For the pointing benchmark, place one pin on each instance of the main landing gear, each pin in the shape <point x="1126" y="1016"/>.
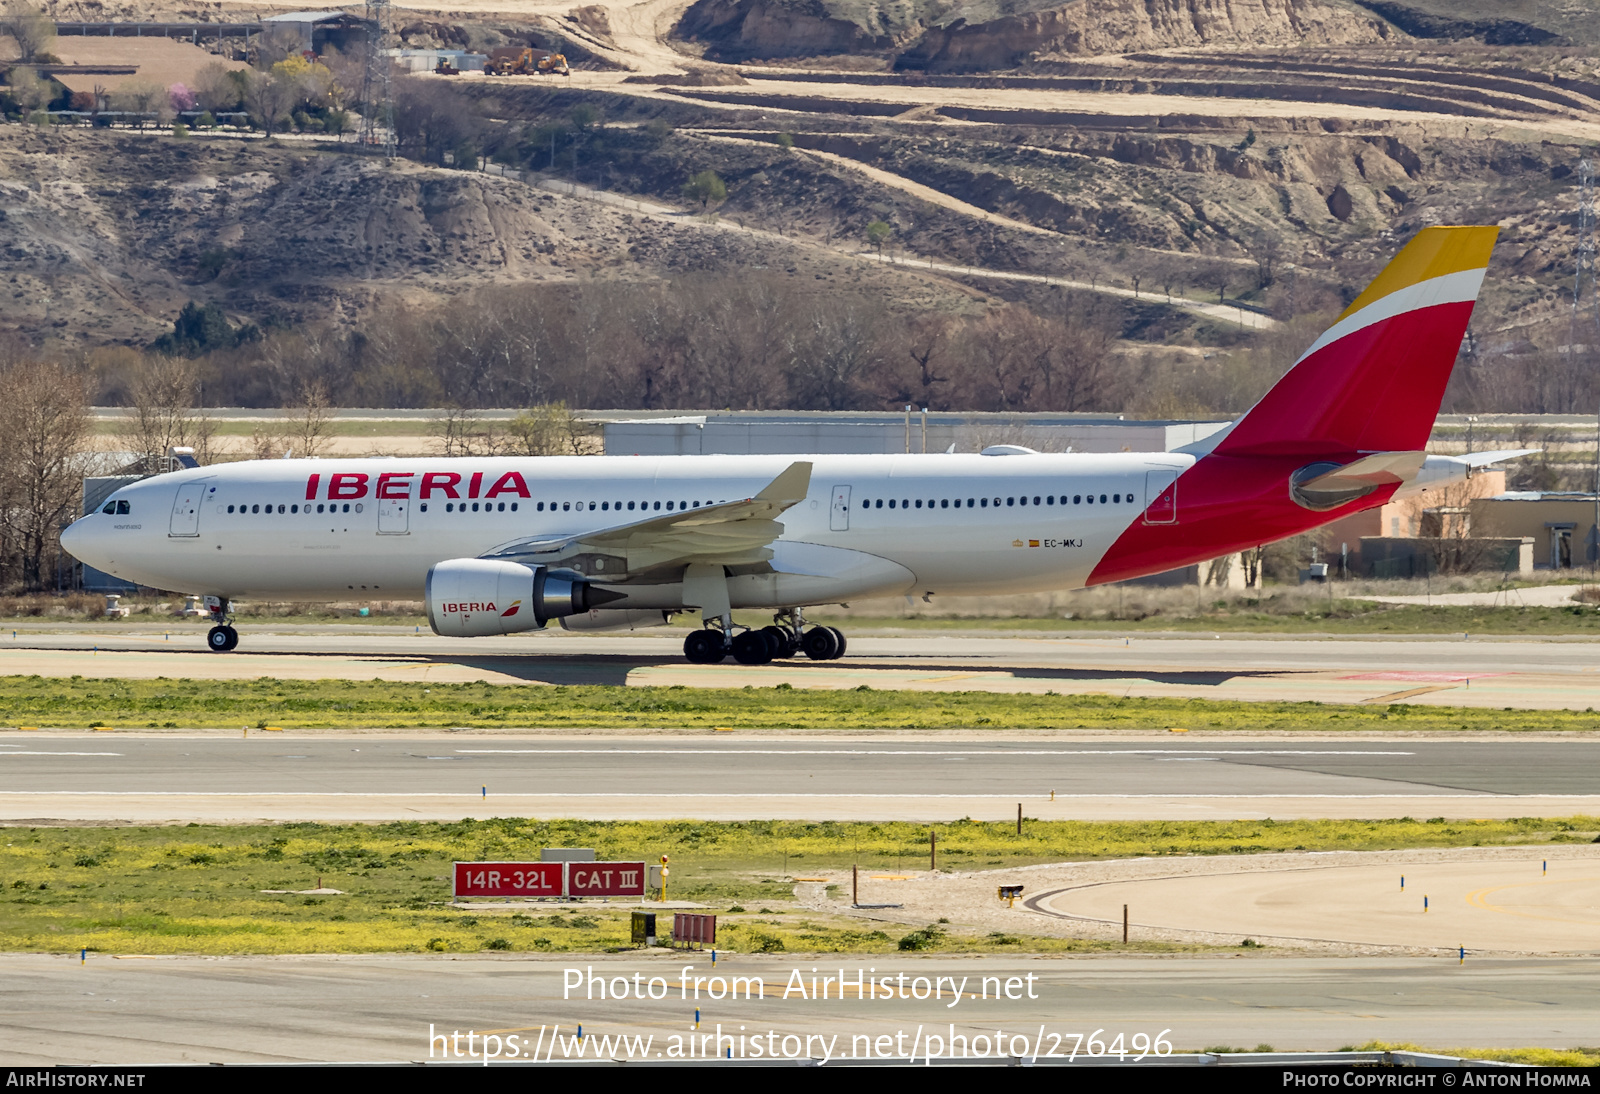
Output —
<point x="222" y="637"/>
<point x="786" y="637"/>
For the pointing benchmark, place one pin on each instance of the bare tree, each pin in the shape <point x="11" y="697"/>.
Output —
<point x="44" y="427"/>
<point x="269" y="98"/>
<point x="164" y="394"/>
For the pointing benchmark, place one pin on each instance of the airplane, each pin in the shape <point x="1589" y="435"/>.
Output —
<point x="496" y="546"/>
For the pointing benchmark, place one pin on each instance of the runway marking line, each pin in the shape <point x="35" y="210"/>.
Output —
<point x="1480" y="899"/>
<point x="1394" y="696"/>
<point x="927" y="752"/>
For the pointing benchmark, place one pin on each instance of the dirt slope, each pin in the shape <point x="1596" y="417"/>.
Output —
<point x="991" y="34"/>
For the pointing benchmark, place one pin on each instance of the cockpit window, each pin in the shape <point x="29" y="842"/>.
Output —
<point x="122" y="508"/>
<point x="116" y="508"/>
<point x="111" y="507"/>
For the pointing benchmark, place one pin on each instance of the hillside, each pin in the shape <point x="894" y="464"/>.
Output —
<point x="982" y="35"/>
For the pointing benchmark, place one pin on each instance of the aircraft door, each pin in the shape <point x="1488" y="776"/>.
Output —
<point x="186" y="508"/>
<point x="839" y="516"/>
<point x="394" y="516"/>
<point x="1161" y="497"/>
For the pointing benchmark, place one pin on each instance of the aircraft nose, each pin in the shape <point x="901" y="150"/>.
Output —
<point x="78" y="540"/>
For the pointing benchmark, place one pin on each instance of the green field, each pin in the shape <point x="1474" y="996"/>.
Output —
<point x="197" y="889"/>
<point x="51" y="702"/>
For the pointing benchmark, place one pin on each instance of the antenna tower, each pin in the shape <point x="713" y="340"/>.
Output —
<point x="1585" y="301"/>
<point x="377" y="101"/>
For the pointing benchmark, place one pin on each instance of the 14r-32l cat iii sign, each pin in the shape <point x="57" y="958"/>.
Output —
<point x="549" y="879"/>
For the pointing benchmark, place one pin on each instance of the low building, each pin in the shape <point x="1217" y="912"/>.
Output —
<point x="741" y="433"/>
<point x="1562" y="526"/>
<point x="426" y="60"/>
<point x="320" y="29"/>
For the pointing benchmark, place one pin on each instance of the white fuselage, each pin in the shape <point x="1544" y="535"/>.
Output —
<point x="319" y="529"/>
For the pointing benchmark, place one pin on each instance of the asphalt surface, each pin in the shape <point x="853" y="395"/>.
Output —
<point x="265" y="764"/>
<point x="381" y="1008"/>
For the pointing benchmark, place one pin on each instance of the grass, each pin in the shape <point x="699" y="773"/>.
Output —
<point x="79" y="702"/>
<point x="1536" y="1057"/>
<point x="197" y="889"/>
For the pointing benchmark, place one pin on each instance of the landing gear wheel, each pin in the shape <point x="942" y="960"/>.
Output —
<point x="222" y="639"/>
<point x="821" y="643"/>
<point x="838" y="653"/>
<point x="781" y="641"/>
<point x="752" y="648"/>
<point x="704" y="647"/>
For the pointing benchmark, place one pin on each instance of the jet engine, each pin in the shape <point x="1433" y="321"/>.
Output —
<point x="473" y="597"/>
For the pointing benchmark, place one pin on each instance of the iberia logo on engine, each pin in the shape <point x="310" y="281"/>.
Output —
<point x="489" y="607"/>
<point x="516" y="606"/>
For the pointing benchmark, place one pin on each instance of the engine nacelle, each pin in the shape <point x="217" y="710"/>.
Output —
<point x="474" y="597"/>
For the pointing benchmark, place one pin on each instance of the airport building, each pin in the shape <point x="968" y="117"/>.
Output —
<point x="756" y="432"/>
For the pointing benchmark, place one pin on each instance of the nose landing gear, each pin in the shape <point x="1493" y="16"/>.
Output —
<point x="222" y="637"/>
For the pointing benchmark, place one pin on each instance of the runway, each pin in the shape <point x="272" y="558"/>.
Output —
<point x="369" y="777"/>
<point x="1438" y="671"/>
<point x="193" y="1010"/>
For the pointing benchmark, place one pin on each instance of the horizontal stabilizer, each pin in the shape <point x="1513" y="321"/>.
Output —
<point x="1487" y="459"/>
<point x="1378" y="469"/>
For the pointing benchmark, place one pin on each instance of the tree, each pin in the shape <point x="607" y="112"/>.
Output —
<point x="33" y="29"/>
<point x="216" y="89"/>
<point x="707" y="189"/>
<point x="44" y="428"/>
<point x="149" y="100"/>
<point x="269" y="99"/>
<point x="548" y="430"/>
<point x="201" y="330"/>
<point x="878" y="234"/>
<point x="27" y="90"/>
<point x="165" y="393"/>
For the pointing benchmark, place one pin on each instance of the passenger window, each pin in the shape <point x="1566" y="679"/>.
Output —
<point x="891" y="503"/>
<point x="566" y="505"/>
<point x="255" y="508"/>
<point x="1036" y="499"/>
<point x="905" y="503"/>
<point x="346" y="507"/>
<point x="669" y="505"/>
<point x="1013" y="501"/>
<point x="1050" y="499"/>
<point x="513" y="507"/>
<point x="449" y="507"/>
<point x="630" y="507"/>
<point x="1077" y="499"/>
<point x="984" y="502"/>
<point x="294" y="509"/>
<point x="919" y="503"/>
<point x="423" y="507"/>
<point x="658" y="505"/>
<point x="280" y="509"/>
<point x="319" y="508"/>
<point x="945" y="503"/>
<point x="1091" y="499"/>
<point x="880" y="503"/>
<point x="108" y="508"/>
<point x="969" y="503"/>
<point x="604" y="505"/>
<point x="1102" y="499"/>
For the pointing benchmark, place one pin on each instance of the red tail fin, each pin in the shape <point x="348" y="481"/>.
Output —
<point x="1374" y="380"/>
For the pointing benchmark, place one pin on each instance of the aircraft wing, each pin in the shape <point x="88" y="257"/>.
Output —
<point x="730" y="533"/>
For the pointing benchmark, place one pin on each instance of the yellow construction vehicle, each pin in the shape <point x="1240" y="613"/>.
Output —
<point x="515" y="61"/>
